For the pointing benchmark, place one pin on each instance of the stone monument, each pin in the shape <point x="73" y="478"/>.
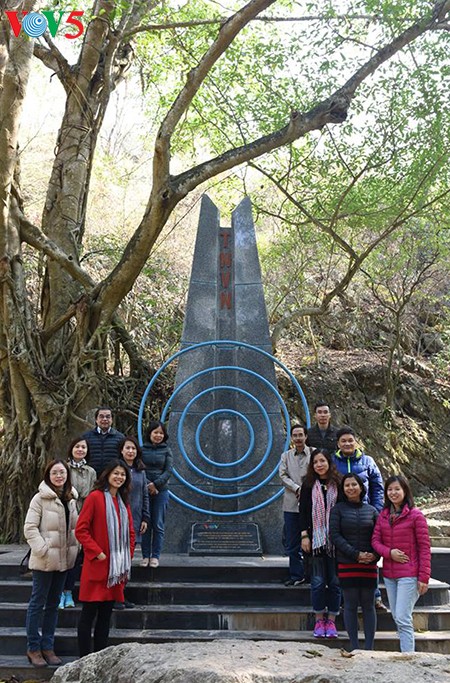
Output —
<point x="227" y="425"/>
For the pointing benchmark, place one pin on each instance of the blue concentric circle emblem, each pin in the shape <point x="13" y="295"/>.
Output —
<point x="34" y="24"/>
<point x="203" y="467"/>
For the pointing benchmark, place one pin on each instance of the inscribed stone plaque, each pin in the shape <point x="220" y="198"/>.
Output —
<point x="225" y="538"/>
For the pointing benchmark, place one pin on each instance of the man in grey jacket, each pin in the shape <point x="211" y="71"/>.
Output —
<point x="292" y="471"/>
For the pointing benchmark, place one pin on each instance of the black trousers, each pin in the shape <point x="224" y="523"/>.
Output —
<point x="100" y="612"/>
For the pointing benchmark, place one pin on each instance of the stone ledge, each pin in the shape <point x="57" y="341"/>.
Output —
<point x="250" y="662"/>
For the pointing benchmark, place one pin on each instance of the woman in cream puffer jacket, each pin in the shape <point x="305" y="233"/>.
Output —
<point x="50" y="532"/>
<point x="53" y="549"/>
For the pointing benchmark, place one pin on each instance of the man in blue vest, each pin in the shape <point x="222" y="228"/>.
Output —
<point x="103" y="440"/>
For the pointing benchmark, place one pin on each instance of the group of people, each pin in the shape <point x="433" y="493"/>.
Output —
<point x="89" y="512"/>
<point x="338" y="513"/>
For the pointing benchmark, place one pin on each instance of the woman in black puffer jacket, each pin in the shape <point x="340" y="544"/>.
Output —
<point x="351" y="527"/>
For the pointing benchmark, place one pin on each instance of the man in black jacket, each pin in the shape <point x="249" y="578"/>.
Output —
<point x="322" y="434"/>
<point x="103" y="440"/>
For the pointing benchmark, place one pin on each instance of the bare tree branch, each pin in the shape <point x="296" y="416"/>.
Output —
<point x="333" y="109"/>
<point x="214" y="21"/>
<point x="35" y="238"/>
<point x="54" y="60"/>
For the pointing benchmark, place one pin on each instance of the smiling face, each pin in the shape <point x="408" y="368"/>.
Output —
<point x="117" y="477"/>
<point x="79" y="451"/>
<point x="320" y="465"/>
<point x="157" y="435"/>
<point x="347" y="444"/>
<point x="104" y="420"/>
<point x="58" y="475"/>
<point x="352" y="490"/>
<point x="129" y="452"/>
<point x="395" y="494"/>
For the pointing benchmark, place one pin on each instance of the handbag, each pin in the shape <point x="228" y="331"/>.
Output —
<point x="23" y="567"/>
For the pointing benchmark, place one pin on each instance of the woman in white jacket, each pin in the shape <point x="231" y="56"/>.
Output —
<point x="49" y="530"/>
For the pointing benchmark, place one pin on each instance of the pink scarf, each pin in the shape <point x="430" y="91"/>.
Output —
<point x="321" y="517"/>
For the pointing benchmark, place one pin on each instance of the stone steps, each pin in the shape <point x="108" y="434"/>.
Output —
<point x="191" y="593"/>
<point x="202" y="599"/>
<point x="65" y="643"/>
<point x="222" y="617"/>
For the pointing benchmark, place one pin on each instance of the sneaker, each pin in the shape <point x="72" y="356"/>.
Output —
<point x="129" y="605"/>
<point x="62" y="601"/>
<point x="380" y="606"/>
<point x="320" y="629"/>
<point x="119" y="605"/>
<point x="299" y="582"/>
<point x="289" y="582"/>
<point x="154" y="562"/>
<point x="68" y="599"/>
<point x="331" y="631"/>
<point x="145" y="561"/>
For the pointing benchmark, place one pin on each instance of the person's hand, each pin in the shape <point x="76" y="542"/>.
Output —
<point x="399" y="556"/>
<point x="372" y="557"/>
<point x="366" y="557"/>
<point x="101" y="557"/>
<point x="143" y="527"/>
<point x="306" y="545"/>
<point x="422" y="587"/>
<point x="153" y="491"/>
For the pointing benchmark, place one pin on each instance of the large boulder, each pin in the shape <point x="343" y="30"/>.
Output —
<point x="237" y="661"/>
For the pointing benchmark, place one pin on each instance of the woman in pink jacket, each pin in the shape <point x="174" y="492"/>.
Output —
<point x="401" y="538"/>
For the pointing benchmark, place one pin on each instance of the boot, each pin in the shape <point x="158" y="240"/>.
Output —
<point x="51" y="658"/>
<point x="36" y="659"/>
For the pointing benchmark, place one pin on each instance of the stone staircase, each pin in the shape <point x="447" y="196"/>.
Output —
<point x="205" y="599"/>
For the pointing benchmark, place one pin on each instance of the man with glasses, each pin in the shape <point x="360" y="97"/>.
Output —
<point x="292" y="471"/>
<point x="103" y="440"/>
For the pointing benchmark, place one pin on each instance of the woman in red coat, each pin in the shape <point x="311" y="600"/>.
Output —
<point x="105" y="530"/>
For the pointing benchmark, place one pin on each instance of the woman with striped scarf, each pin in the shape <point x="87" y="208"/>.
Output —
<point x="105" y="530"/>
<point x="318" y="496"/>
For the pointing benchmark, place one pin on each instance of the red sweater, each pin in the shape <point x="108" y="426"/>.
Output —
<point x="92" y="533"/>
<point x="409" y="533"/>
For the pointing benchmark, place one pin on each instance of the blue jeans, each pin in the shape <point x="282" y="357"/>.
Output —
<point x="42" y="613"/>
<point x="153" y="538"/>
<point x="293" y="538"/>
<point x="325" y="590"/>
<point x="403" y="595"/>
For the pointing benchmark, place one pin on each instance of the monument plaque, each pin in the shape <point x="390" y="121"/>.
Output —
<point x="225" y="538"/>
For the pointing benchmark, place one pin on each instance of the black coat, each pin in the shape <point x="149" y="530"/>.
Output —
<point x="316" y="440"/>
<point x="351" y="528"/>
<point x="102" y="447"/>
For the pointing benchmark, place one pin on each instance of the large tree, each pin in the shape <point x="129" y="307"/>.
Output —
<point x="53" y="361"/>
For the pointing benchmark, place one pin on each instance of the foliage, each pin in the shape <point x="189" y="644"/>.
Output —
<point x="223" y="91"/>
